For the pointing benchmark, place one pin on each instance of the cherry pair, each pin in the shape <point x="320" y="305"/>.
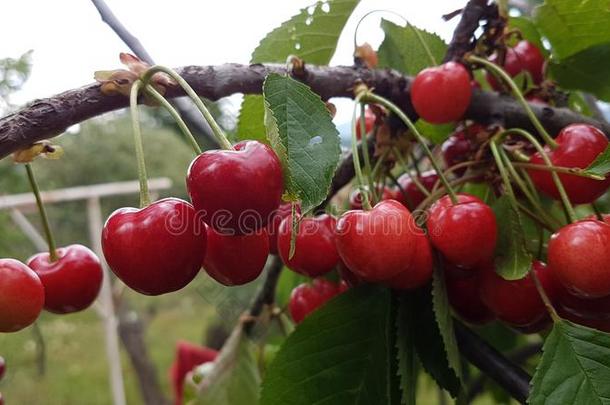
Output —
<point x="306" y="298"/>
<point x="523" y="57"/>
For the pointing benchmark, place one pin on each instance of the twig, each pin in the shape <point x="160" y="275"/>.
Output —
<point x="187" y="112"/>
<point x="463" y="37"/>
<point x="266" y="295"/>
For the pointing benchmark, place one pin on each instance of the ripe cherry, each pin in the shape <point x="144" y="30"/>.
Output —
<point x="419" y="271"/>
<point x="589" y="308"/>
<point x="157" y="249"/>
<point x="315" y="252"/>
<point x="236" y="259"/>
<point x="188" y="356"/>
<point x="516" y="302"/>
<point x="464" y="297"/>
<point x="2" y="367"/>
<point x="523" y="57"/>
<point x="273" y="225"/>
<point x="378" y="244"/>
<point x="306" y="298"/>
<point x="236" y="191"/>
<point x="369" y="121"/>
<point x="347" y="276"/>
<point x="21" y="295"/>
<point x="413" y="196"/>
<point x="465" y="233"/>
<point x="458" y="147"/>
<point x="72" y="282"/>
<point x="579" y="255"/>
<point x="579" y="145"/>
<point x="441" y="94"/>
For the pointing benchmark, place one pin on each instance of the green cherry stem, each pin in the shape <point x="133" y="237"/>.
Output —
<point x="547" y="161"/>
<point x="43" y="213"/>
<point x="137" y="140"/>
<point x="498" y="71"/>
<point x="369" y="96"/>
<point x="508" y="188"/>
<point x="175" y="115"/>
<point x="364" y="145"/>
<point x="414" y="179"/>
<point x="364" y="195"/>
<point x="576" y="171"/>
<point x="545" y="298"/>
<point x="219" y="134"/>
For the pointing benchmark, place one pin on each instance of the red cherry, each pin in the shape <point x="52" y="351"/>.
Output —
<point x="378" y="244"/>
<point x="315" y="252"/>
<point x="273" y="225"/>
<point x="516" y="302"/>
<point x="441" y="94"/>
<point x="21" y="295"/>
<point x="236" y="259"/>
<point x="188" y="356"/>
<point x="306" y="298"/>
<point x="347" y="276"/>
<point x="236" y="191"/>
<point x="458" y="147"/>
<point x="2" y="367"/>
<point x="579" y="145"/>
<point x="157" y="249"/>
<point x="72" y="282"/>
<point x="465" y="233"/>
<point x="369" y="121"/>
<point x="524" y="56"/>
<point x="590" y="308"/>
<point x="355" y="197"/>
<point x="414" y="196"/>
<point x="419" y="272"/>
<point x="464" y="297"/>
<point x="579" y="255"/>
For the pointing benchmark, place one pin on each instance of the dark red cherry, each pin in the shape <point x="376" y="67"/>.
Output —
<point x="465" y="233"/>
<point x="236" y="191"/>
<point x="306" y="298"/>
<point x="516" y="302"/>
<point x="378" y="244"/>
<point x="413" y="196"/>
<point x="347" y="276"/>
<point x="157" y="249"/>
<point x="579" y="255"/>
<point x="464" y="297"/>
<point x="21" y="296"/>
<point x="236" y="259"/>
<point x="523" y="57"/>
<point x="276" y="219"/>
<point x="315" y="252"/>
<point x="2" y="367"/>
<point x="419" y="271"/>
<point x="590" y="308"/>
<point x="458" y="147"/>
<point x="72" y="282"/>
<point x="579" y="145"/>
<point x="441" y="94"/>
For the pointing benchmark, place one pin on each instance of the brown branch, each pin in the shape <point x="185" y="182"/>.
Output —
<point x="266" y="295"/>
<point x="463" y="40"/>
<point x="50" y="117"/>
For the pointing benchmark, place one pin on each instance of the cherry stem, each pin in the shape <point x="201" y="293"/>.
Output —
<point x="43" y="213"/>
<point x="364" y="145"/>
<point x="498" y="71"/>
<point x="508" y="188"/>
<point x="535" y="217"/>
<point x="575" y="171"/>
<point x="137" y="140"/>
<point x="219" y="134"/>
<point x="598" y="213"/>
<point x="366" y="204"/>
<point x="562" y="192"/>
<point x="175" y="115"/>
<point x="294" y="228"/>
<point x="414" y="179"/>
<point x="438" y="193"/>
<point x="545" y="298"/>
<point x="369" y="96"/>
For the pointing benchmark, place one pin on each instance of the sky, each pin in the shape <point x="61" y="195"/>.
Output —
<point x="70" y="41"/>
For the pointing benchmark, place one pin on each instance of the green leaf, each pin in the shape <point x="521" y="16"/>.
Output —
<point x="513" y="261"/>
<point x="406" y="329"/>
<point x="316" y="31"/>
<point x="409" y="49"/>
<point x="250" y="124"/>
<point x="572" y="26"/>
<point x="528" y="30"/>
<point x="575" y="367"/>
<point x="435" y="133"/>
<point x="585" y="70"/>
<point x="234" y="378"/>
<point x="302" y="134"/>
<point x="444" y="320"/>
<point x="601" y="165"/>
<point x="338" y="355"/>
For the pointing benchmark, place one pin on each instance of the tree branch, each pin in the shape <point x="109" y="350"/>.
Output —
<point x="463" y="37"/>
<point x="266" y="295"/>
<point x="190" y="115"/>
<point x="50" y="117"/>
